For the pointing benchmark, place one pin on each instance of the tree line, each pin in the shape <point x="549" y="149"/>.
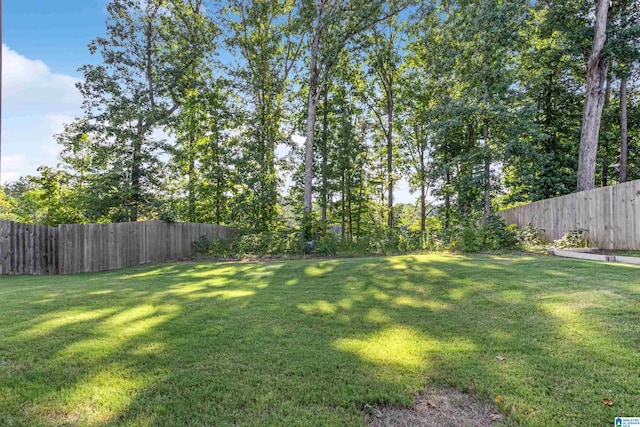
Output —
<point x="266" y="114"/>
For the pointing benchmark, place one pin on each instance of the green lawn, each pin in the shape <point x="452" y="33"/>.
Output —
<point x="311" y="342"/>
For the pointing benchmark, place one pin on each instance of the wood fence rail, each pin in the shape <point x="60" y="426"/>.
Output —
<point x="83" y="248"/>
<point x="610" y="214"/>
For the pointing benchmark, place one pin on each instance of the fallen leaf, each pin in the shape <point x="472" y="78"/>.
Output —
<point x="500" y="358"/>
<point x="498" y="399"/>
<point x="495" y="417"/>
<point x="379" y="414"/>
<point x="607" y="402"/>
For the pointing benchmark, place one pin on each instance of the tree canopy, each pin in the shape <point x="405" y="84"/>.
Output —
<point x="264" y="114"/>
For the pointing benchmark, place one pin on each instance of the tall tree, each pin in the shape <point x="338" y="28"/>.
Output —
<point x="267" y="35"/>
<point x="542" y="163"/>
<point x="132" y="92"/>
<point x="200" y="162"/>
<point x="597" y="67"/>
<point x="333" y="24"/>
<point x="385" y="62"/>
<point x="624" y="147"/>
<point x="624" y="45"/>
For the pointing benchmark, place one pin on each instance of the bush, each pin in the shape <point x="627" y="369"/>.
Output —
<point x="529" y="237"/>
<point x="329" y="244"/>
<point x="215" y="247"/>
<point x="488" y="234"/>
<point x="287" y="242"/>
<point x="572" y="239"/>
<point x="496" y="235"/>
<point x="491" y="235"/>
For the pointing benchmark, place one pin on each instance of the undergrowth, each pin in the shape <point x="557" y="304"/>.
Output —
<point x="485" y="235"/>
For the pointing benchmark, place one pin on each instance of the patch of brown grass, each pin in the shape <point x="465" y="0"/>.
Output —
<point x="437" y="407"/>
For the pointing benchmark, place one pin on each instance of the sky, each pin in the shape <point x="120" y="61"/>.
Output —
<point x="44" y="43"/>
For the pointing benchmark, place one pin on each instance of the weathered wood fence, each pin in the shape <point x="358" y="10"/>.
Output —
<point x="78" y="248"/>
<point x="610" y="214"/>
<point x="28" y="248"/>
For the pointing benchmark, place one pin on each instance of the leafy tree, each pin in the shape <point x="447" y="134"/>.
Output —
<point x="267" y="35"/>
<point x="7" y="207"/>
<point x="542" y="164"/>
<point x="385" y="63"/>
<point x="132" y="92"/>
<point x="597" y="68"/>
<point x="201" y="168"/>
<point x="332" y="25"/>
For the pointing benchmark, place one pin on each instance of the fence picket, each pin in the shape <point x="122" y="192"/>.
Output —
<point x="609" y="213"/>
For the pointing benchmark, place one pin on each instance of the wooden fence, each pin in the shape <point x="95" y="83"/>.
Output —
<point x="80" y="248"/>
<point x="28" y="248"/>
<point x="610" y="214"/>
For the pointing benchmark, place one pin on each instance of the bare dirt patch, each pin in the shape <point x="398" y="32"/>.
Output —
<point x="436" y="407"/>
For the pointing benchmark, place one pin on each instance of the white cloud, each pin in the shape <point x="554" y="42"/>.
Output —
<point x="31" y="85"/>
<point x="37" y="102"/>
<point x="12" y="165"/>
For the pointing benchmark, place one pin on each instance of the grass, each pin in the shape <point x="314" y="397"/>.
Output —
<point x="311" y="342"/>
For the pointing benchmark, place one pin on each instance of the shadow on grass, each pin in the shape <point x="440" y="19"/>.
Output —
<point x="311" y="342"/>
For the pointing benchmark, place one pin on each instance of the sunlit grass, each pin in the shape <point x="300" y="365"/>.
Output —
<point x="311" y="342"/>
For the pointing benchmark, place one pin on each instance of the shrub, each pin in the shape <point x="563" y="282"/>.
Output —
<point x="488" y="234"/>
<point x="286" y="242"/>
<point x="329" y="244"/>
<point x="491" y="234"/>
<point x="496" y="235"/>
<point x="572" y="239"/>
<point x="216" y="247"/>
<point x="529" y="236"/>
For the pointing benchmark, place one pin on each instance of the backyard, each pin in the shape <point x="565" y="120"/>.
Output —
<point x="545" y="341"/>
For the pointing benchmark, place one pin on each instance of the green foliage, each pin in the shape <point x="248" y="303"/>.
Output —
<point x="281" y="243"/>
<point x="529" y="236"/>
<point x="213" y="247"/>
<point x="7" y="207"/>
<point x="460" y="100"/>
<point x="329" y="244"/>
<point x="496" y="235"/>
<point x="572" y="239"/>
<point x="487" y="234"/>
<point x="490" y="236"/>
<point x="250" y="244"/>
<point x="47" y="198"/>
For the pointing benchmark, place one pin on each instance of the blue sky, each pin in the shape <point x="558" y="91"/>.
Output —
<point x="44" y="44"/>
<point x="54" y="31"/>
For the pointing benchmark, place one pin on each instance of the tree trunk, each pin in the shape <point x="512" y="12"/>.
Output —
<point x="343" y="205"/>
<point x="136" y="176"/>
<point x="487" y="183"/>
<point x="423" y="194"/>
<point x="314" y="74"/>
<point x="604" y="176"/>
<point x="323" y="151"/>
<point x="390" y="152"/>
<point x="487" y="154"/>
<point x="447" y="202"/>
<point x="350" y="217"/>
<point x="597" y="67"/>
<point x="191" y="193"/>
<point x="624" y="150"/>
